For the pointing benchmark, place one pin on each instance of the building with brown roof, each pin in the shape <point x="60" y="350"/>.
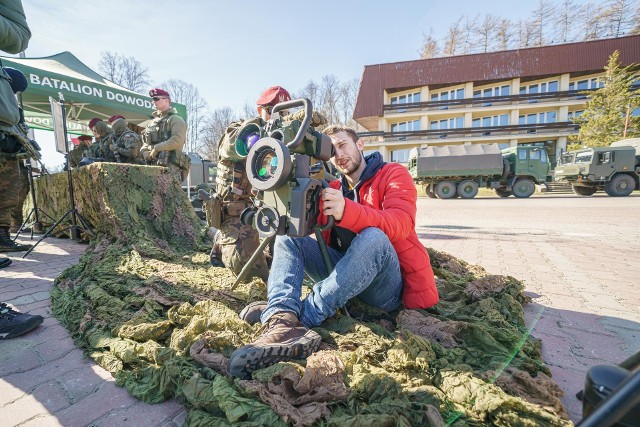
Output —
<point x="522" y="96"/>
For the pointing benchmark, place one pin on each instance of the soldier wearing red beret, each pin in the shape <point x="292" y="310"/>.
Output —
<point x="127" y="143"/>
<point x="233" y="187"/>
<point x="165" y="136"/>
<point x="79" y="151"/>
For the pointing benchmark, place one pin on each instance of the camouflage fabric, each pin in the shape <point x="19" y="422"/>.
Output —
<point x="234" y="246"/>
<point x="9" y="190"/>
<point x="317" y="118"/>
<point x="127" y="143"/>
<point x="16" y="213"/>
<point x="77" y="154"/>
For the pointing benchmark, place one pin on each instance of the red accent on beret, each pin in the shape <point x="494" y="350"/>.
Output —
<point x="114" y="118"/>
<point x="84" y="138"/>
<point x="158" y="92"/>
<point x="93" y="122"/>
<point x="274" y="95"/>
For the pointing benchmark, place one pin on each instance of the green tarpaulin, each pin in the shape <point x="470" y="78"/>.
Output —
<point x="86" y="93"/>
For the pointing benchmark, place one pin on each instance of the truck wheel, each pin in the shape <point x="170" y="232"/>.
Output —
<point x="620" y="186"/>
<point x="583" y="191"/>
<point x="429" y="190"/>
<point x="446" y="190"/>
<point x="523" y="188"/>
<point x="503" y="193"/>
<point x="467" y="189"/>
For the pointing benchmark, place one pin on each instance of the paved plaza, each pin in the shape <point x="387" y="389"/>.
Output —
<point x="578" y="258"/>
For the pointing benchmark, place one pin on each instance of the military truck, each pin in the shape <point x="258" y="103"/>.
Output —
<point x="614" y="169"/>
<point x="453" y="171"/>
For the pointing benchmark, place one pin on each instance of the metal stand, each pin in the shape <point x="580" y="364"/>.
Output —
<point x="35" y="225"/>
<point x="72" y="212"/>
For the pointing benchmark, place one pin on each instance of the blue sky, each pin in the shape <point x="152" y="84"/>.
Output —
<point x="232" y="50"/>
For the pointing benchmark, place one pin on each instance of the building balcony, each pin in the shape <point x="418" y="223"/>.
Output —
<point x="477" y="133"/>
<point x="489" y="101"/>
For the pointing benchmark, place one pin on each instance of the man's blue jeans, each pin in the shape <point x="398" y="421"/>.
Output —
<point x="369" y="269"/>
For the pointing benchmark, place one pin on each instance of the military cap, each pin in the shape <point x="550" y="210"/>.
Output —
<point x="273" y="95"/>
<point x="93" y="122"/>
<point x="18" y="80"/>
<point x="158" y="92"/>
<point x="114" y="118"/>
<point x="85" y="138"/>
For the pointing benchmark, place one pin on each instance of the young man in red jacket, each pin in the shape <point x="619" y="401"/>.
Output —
<point x="373" y="246"/>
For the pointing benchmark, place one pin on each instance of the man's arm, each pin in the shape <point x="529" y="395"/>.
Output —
<point x="398" y="214"/>
<point x="178" y="135"/>
<point x="14" y="31"/>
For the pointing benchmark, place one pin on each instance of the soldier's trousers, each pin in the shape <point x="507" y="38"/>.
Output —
<point x="234" y="245"/>
<point x="16" y="213"/>
<point x="9" y="190"/>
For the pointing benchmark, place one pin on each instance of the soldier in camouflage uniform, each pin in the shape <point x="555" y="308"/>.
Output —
<point x="13" y="136"/>
<point x="104" y="137"/>
<point x="128" y="143"/>
<point x="233" y="242"/>
<point x="165" y="136"/>
<point x="80" y="150"/>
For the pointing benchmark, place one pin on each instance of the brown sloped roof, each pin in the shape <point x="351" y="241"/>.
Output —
<point x="582" y="57"/>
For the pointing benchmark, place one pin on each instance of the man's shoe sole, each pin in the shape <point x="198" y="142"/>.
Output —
<point x="250" y="358"/>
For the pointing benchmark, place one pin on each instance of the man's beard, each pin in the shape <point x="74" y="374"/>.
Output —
<point x="356" y="164"/>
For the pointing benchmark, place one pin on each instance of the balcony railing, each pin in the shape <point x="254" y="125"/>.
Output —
<point x="567" y="127"/>
<point x="488" y="101"/>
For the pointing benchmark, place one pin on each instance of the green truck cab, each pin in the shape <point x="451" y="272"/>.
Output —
<point x="614" y="169"/>
<point x="453" y="171"/>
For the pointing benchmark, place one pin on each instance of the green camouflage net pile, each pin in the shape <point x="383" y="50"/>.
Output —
<point x="146" y="305"/>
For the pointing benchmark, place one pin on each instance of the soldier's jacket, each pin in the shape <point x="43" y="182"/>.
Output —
<point x="128" y="143"/>
<point x="99" y="149"/>
<point x="166" y="132"/>
<point x="76" y="155"/>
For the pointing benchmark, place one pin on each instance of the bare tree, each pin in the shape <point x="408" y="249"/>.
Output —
<point x="429" y="47"/>
<point x="452" y="39"/>
<point x="329" y="98"/>
<point x="348" y="95"/>
<point x="486" y="31"/>
<point x="126" y="72"/>
<point x="214" y="125"/>
<point x="504" y="34"/>
<point x="248" y="111"/>
<point x="592" y="21"/>
<point x="187" y="94"/>
<point x="562" y="24"/>
<point x="310" y="91"/>
<point x="619" y="14"/>
<point x="541" y="19"/>
<point x="469" y="30"/>
<point x="525" y="33"/>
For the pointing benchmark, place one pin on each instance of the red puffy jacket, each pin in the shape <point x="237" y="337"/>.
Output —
<point x="388" y="202"/>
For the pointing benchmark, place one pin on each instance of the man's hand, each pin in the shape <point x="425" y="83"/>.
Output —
<point x="113" y="147"/>
<point x="333" y="203"/>
<point x="146" y="155"/>
<point x="154" y="154"/>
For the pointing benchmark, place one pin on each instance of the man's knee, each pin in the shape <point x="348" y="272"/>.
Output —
<point x="373" y="236"/>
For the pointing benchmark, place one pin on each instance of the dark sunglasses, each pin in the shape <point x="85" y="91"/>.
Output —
<point x="158" y="98"/>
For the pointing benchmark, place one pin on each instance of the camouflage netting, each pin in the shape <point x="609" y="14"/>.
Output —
<point x="146" y="305"/>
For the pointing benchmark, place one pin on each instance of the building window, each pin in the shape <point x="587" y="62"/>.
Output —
<point x="452" y="123"/>
<point x="405" y="99"/>
<point x="575" y="114"/>
<point x="400" y="156"/>
<point x="497" y="120"/>
<point x="544" y="117"/>
<point x="545" y="87"/>
<point x="411" y="125"/>
<point x="447" y="95"/>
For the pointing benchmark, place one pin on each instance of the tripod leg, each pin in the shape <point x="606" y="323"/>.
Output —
<point x="23" y="226"/>
<point x="85" y="225"/>
<point x="252" y="260"/>
<point x="45" y="235"/>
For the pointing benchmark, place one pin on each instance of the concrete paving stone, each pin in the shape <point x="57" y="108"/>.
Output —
<point x="19" y="299"/>
<point x="42" y="421"/>
<point x="177" y="420"/>
<point x="80" y="383"/>
<point x="50" y="351"/>
<point x="46" y="398"/>
<point x="106" y="398"/>
<point x="140" y="414"/>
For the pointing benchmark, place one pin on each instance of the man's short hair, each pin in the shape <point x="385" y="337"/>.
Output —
<point x="333" y="129"/>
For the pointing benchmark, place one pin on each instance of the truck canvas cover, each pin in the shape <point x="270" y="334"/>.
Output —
<point x="629" y="142"/>
<point x="457" y="160"/>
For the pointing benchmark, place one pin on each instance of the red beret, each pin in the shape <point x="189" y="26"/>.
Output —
<point x="274" y="95"/>
<point x="93" y="122"/>
<point x="85" y="138"/>
<point x="114" y="118"/>
<point x="158" y="92"/>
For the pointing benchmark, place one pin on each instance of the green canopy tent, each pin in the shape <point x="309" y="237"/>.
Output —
<point x="86" y="93"/>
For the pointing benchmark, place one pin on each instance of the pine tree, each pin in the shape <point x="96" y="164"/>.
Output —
<point x="605" y="114"/>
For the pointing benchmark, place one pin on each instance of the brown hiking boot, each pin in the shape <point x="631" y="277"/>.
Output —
<point x="282" y="338"/>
